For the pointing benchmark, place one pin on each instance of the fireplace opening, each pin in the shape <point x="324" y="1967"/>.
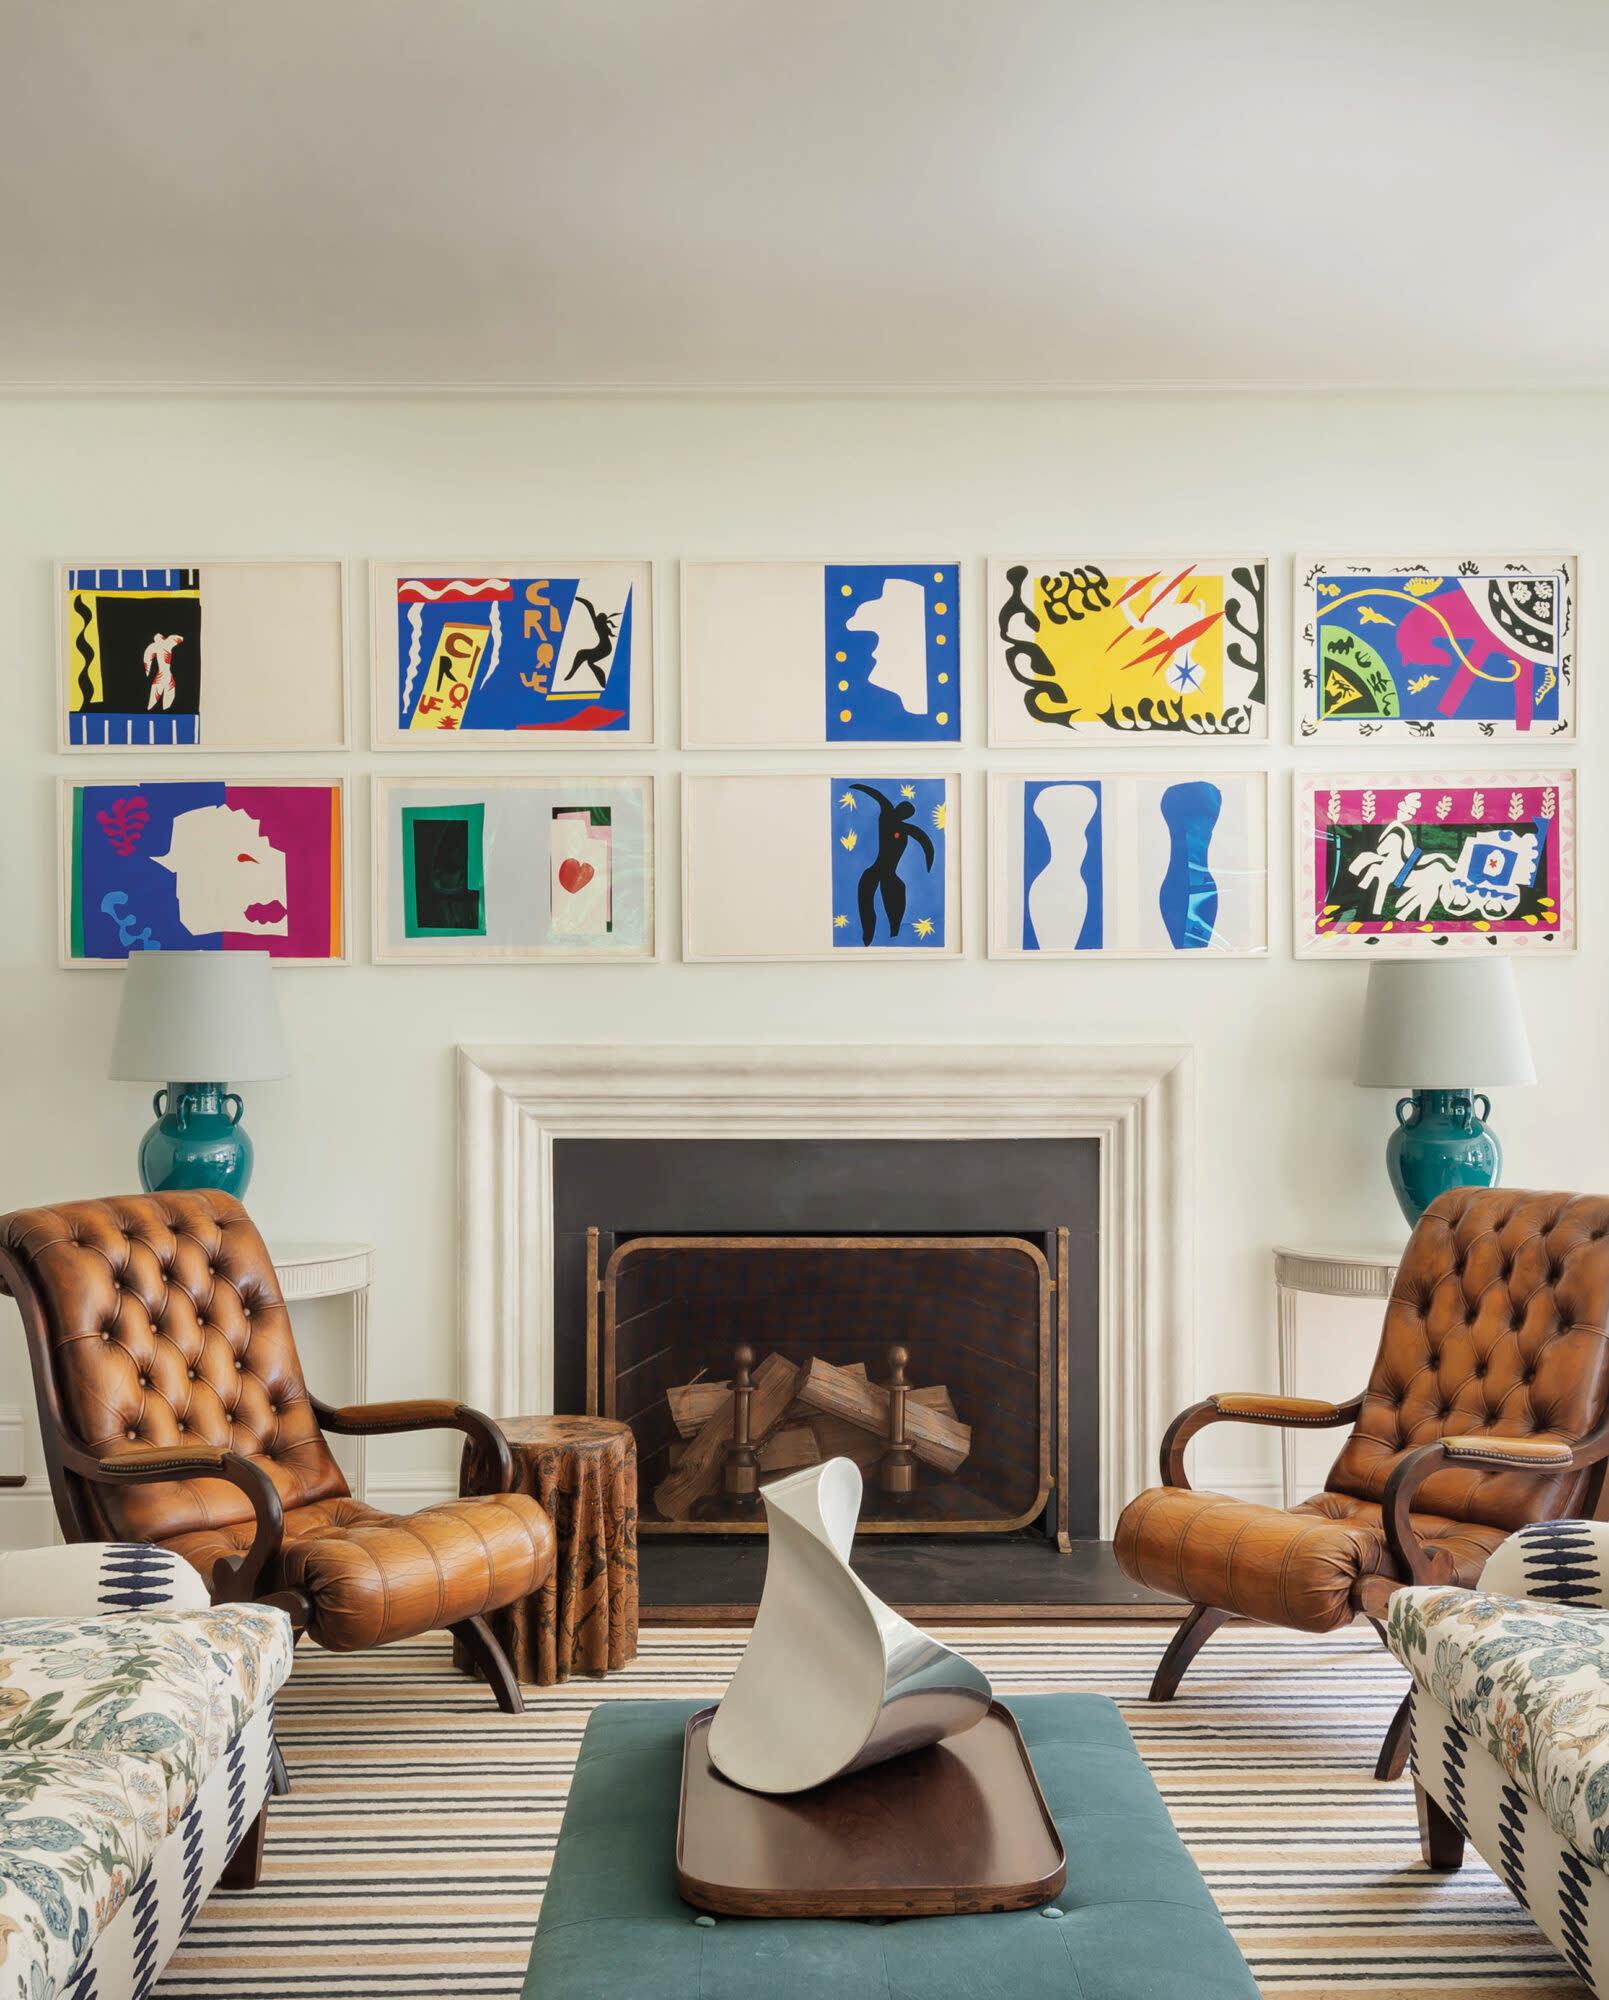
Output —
<point x="980" y="1258"/>
<point x="930" y="1360"/>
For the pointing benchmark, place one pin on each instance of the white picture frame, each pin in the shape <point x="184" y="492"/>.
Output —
<point x="1120" y="794"/>
<point x="72" y="885"/>
<point x="1428" y="824"/>
<point x="555" y="791"/>
<point x="765" y="665"/>
<point x="1457" y="623"/>
<point x="766" y="873"/>
<point x="1162" y="630"/>
<point x="237" y="674"/>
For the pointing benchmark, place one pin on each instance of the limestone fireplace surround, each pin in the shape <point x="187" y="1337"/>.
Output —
<point x="1136" y="1100"/>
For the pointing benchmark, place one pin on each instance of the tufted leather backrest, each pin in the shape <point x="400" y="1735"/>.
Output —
<point x="1499" y="1322"/>
<point x="163" y="1325"/>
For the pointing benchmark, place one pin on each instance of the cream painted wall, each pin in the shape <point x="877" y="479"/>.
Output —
<point x="358" y="1143"/>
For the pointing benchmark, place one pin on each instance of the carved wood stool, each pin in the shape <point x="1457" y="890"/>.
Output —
<point x="583" y="1620"/>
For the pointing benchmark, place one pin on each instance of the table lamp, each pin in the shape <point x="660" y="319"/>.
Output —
<point x="1436" y="1030"/>
<point x="198" y="1014"/>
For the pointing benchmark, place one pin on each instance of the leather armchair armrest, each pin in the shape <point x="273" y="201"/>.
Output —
<point x="426" y="1413"/>
<point x="233" y="1582"/>
<point x="1283" y="1412"/>
<point x="1286" y="1411"/>
<point x="1506" y="1454"/>
<point x="1524" y="1453"/>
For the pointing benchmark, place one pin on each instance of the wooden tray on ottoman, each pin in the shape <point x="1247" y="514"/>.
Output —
<point x="956" y="1829"/>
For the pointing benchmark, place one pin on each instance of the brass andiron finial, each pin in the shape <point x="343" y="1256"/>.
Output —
<point x="897" y="1473"/>
<point x="741" y="1477"/>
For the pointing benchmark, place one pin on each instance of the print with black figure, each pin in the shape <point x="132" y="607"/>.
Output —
<point x="895" y="825"/>
<point x="443" y="899"/>
<point x="593" y="656"/>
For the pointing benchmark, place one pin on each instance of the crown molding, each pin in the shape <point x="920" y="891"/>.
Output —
<point x="800" y="391"/>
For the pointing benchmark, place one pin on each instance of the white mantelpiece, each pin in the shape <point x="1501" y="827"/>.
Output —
<point x="1137" y="1101"/>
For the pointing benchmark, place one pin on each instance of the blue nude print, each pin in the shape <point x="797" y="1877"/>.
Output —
<point x="1189" y="895"/>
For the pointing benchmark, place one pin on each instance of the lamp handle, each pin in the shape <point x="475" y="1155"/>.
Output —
<point x="233" y="1097"/>
<point x="1405" y="1105"/>
<point x="157" y="1103"/>
<point x="1485" y="1104"/>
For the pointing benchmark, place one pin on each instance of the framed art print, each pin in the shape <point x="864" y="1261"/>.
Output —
<point x="789" y="866"/>
<point x="535" y="654"/>
<point x="203" y="865"/>
<point x="513" y="869"/>
<point x="202" y="656"/>
<point x="1458" y="648"/>
<point x="807" y="655"/>
<point x="1403" y="866"/>
<point x="1162" y="650"/>
<point x="1128" y="865"/>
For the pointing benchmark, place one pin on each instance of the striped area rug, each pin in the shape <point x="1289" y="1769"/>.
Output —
<point x="411" y="1855"/>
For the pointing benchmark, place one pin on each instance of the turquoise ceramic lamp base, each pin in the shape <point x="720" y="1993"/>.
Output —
<point x="1440" y="1143"/>
<point x="196" y="1141"/>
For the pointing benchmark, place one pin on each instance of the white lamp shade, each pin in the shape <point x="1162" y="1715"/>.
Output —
<point x="199" y="1017"/>
<point x="1454" y="1025"/>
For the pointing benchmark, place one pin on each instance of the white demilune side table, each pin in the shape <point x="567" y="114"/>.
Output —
<point x="328" y="1271"/>
<point x="1335" y="1363"/>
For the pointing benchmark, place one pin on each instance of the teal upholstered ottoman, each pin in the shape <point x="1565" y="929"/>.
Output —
<point x="1137" y="1923"/>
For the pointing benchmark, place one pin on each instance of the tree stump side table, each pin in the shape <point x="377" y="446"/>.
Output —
<point x="583" y="1620"/>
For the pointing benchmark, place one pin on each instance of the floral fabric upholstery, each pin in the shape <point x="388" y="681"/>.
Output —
<point x="108" y="1728"/>
<point x="1528" y="1683"/>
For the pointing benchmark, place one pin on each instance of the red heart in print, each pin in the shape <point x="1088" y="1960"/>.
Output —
<point x="574" y="874"/>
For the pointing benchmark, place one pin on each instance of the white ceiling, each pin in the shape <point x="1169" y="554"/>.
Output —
<point x="756" y="193"/>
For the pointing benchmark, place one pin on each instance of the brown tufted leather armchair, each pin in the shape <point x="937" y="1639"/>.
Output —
<point x="173" y="1411"/>
<point x="1488" y="1407"/>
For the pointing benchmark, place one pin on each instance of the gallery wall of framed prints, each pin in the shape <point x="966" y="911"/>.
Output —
<point x="1113" y="714"/>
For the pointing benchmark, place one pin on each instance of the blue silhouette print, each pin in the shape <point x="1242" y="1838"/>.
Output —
<point x="1189" y="894"/>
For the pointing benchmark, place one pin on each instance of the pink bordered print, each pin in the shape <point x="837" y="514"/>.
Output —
<point x="1399" y="865"/>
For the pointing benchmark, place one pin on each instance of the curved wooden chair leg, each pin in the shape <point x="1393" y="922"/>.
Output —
<point x="279" y="1782"/>
<point x="1393" y="1758"/>
<point x="492" y="1661"/>
<point x="1191" y="1636"/>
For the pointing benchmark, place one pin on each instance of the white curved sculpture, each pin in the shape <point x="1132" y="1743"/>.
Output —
<point x="831" y="1679"/>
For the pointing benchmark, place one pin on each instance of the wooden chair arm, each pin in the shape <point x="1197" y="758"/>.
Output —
<point x="1283" y="1412"/>
<point x="427" y="1413"/>
<point x="1509" y="1454"/>
<point x="234" y="1581"/>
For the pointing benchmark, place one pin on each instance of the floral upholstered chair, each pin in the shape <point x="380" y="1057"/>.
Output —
<point x="136" y="1750"/>
<point x="1510" y="1710"/>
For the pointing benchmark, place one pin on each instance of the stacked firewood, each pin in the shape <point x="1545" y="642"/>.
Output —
<point x="799" y="1416"/>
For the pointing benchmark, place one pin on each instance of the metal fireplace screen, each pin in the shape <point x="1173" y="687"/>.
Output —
<point x="974" y="1315"/>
